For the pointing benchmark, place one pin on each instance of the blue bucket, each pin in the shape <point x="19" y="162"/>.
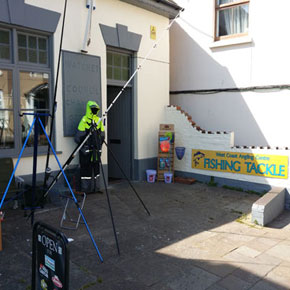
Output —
<point x="168" y="177"/>
<point x="180" y="152"/>
<point x="151" y="175"/>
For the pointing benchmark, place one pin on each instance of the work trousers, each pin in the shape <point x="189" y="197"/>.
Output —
<point x="90" y="172"/>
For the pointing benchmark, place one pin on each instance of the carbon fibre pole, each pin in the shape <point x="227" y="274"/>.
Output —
<point x="76" y="150"/>
<point x="125" y="175"/>
<point x="139" y="67"/>
<point x="59" y="174"/>
<point x="73" y="195"/>
<point x="54" y="95"/>
<point x="108" y="197"/>
<point x="72" y="156"/>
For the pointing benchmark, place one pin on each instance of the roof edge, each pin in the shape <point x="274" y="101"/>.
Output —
<point x="161" y="7"/>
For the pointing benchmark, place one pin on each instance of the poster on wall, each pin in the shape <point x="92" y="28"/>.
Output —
<point x="274" y="166"/>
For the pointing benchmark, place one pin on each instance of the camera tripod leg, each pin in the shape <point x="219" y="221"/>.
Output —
<point x="73" y="195"/>
<point x="69" y="160"/>
<point x="109" y="202"/>
<point x="114" y="157"/>
<point x="59" y="174"/>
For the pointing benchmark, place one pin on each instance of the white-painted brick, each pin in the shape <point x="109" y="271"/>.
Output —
<point x="189" y="137"/>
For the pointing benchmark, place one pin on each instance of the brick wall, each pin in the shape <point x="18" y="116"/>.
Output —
<point x="189" y="135"/>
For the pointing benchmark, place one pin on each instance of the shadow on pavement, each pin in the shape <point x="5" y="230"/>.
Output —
<point x="192" y="240"/>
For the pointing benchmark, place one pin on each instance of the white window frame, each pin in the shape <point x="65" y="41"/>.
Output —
<point x="225" y="6"/>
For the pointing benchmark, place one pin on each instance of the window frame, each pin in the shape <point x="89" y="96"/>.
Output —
<point x="37" y="50"/>
<point x="223" y="7"/>
<point x="16" y="67"/>
<point x="114" y="82"/>
<point x="10" y="45"/>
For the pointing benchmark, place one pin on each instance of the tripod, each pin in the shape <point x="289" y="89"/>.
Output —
<point x="90" y="132"/>
<point x="98" y="143"/>
<point x="35" y="124"/>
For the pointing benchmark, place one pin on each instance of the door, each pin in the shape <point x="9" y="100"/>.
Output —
<point x="119" y="130"/>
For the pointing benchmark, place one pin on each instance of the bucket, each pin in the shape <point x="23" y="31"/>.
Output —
<point x="167" y="177"/>
<point x="179" y="152"/>
<point x="151" y="175"/>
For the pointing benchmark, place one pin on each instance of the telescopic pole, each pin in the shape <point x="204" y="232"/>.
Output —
<point x="54" y="95"/>
<point x="138" y="67"/>
<point x="72" y="193"/>
<point x="76" y="150"/>
<point x="72" y="156"/>
<point x="107" y="195"/>
<point x="125" y="175"/>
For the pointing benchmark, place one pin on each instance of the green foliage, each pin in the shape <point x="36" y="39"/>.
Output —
<point x="88" y="285"/>
<point x="242" y="190"/>
<point x="211" y="182"/>
<point x="100" y="280"/>
<point x="22" y="281"/>
<point x="242" y="218"/>
<point x="233" y="188"/>
<point x="236" y="211"/>
<point x="84" y="269"/>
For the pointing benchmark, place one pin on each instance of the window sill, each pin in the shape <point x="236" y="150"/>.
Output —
<point x="29" y="154"/>
<point x="41" y="153"/>
<point x="231" y="42"/>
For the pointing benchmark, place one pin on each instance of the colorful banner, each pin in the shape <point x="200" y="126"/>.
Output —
<point x="274" y="166"/>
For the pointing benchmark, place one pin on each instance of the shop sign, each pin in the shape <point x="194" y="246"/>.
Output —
<point x="274" y="166"/>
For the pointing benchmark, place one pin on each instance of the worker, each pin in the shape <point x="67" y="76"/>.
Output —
<point x="90" y="152"/>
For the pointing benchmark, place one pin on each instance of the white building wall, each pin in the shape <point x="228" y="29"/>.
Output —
<point x="152" y="80"/>
<point x="191" y="137"/>
<point x="260" y="59"/>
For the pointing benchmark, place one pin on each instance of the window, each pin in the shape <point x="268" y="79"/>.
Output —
<point x="34" y="97"/>
<point x="24" y="88"/>
<point x="4" y="45"/>
<point x="232" y="18"/>
<point x="32" y="49"/>
<point x="118" y="66"/>
<point x="6" y="110"/>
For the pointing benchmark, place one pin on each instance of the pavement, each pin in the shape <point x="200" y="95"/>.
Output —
<point x="197" y="237"/>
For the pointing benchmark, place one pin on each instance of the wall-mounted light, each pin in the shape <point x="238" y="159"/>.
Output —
<point x="1" y="73"/>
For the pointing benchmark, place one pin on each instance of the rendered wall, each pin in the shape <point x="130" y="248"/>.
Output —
<point x="260" y="59"/>
<point x="152" y="82"/>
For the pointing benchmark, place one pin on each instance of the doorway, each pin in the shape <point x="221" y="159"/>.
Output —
<point x="120" y="116"/>
<point x="119" y="130"/>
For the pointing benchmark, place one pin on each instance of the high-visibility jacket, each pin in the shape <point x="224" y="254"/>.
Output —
<point x="89" y="117"/>
<point x="88" y="120"/>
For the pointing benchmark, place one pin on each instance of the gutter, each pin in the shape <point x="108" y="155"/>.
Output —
<point x="162" y="7"/>
<point x="171" y="4"/>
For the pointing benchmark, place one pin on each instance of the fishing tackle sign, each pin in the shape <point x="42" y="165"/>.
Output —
<point x="274" y="166"/>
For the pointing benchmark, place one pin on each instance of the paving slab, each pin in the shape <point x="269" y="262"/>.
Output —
<point x="267" y="285"/>
<point x="193" y="278"/>
<point x="232" y="282"/>
<point x="281" y="250"/>
<point x="280" y="275"/>
<point x="197" y="237"/>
